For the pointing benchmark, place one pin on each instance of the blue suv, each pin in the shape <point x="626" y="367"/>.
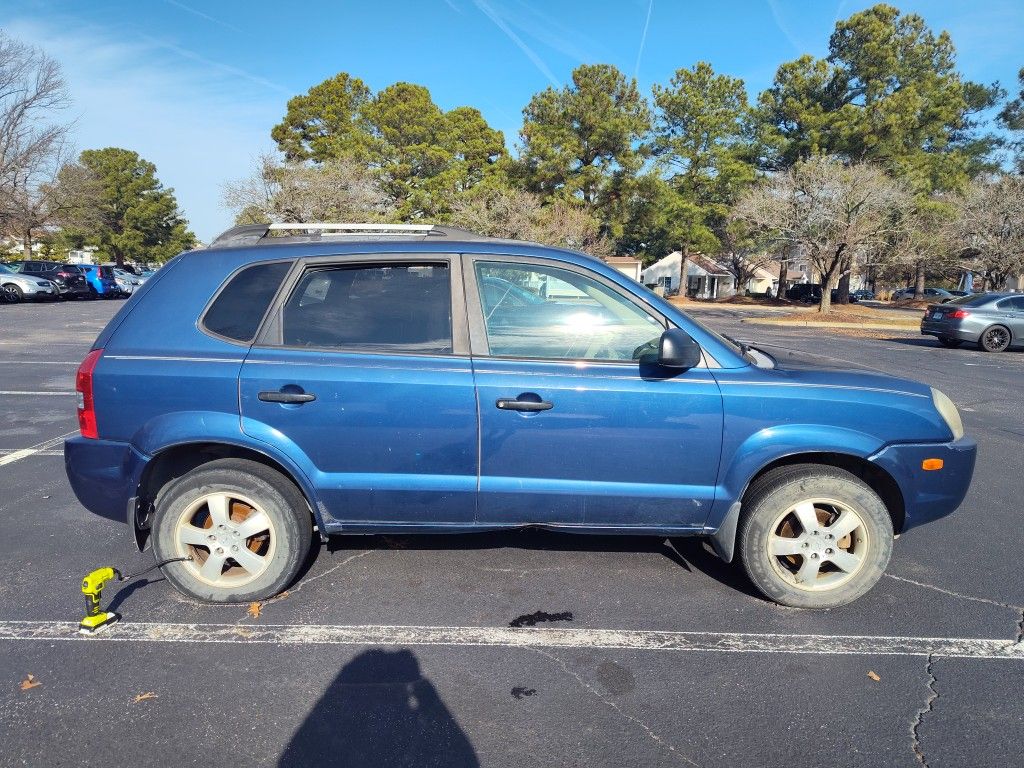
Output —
<point x="419" y="379"/>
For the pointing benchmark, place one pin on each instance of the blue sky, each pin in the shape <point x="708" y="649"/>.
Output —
<point x="196" y="86"/>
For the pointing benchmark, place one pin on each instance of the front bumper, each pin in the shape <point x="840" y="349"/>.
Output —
<point x="104" y="474"/>
<point x="929" y="495"/>
<point x="40" y="291"/>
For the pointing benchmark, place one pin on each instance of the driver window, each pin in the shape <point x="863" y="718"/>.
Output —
<point x="546" y="312"/>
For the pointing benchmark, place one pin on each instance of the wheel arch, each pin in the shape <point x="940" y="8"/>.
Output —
<point x="880" y="481"/>
<point x="175" y="460"/>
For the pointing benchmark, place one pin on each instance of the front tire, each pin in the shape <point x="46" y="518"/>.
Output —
<point x="813" y="536"/>
<point x="246" y="527"/>
<point x="14" y="294"/>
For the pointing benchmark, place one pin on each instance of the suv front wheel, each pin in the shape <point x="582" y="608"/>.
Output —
<point x="813" y="536"/>
<point x="246" y="527"/>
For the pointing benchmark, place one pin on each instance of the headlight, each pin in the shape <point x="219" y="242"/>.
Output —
<point x="949" y="413"/>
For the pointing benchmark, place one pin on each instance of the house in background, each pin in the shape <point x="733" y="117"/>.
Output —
<point x="627" y="265"/>
<point x="705" y="277"/>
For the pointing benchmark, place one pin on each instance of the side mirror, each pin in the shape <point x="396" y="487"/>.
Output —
<point x="677" y="350"/>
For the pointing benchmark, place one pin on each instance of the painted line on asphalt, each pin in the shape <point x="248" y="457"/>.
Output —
<point x="24" y="453"/>
<point x="42" y="362"/>
<point x="37" y="392"/>
<point x="506" y="637"/>
<point x="4" y="452"/>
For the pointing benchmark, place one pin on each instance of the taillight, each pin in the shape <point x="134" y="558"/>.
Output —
<point x="958" y="314"/>
<point x="83" y="386"/>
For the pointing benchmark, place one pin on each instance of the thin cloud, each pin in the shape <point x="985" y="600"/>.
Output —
<point x="643" y="38"/>
<point x="530" y="53"/>
<point x="777" y="16"/>
<point x="453" y="6"/>
<point x="201" y="15"/>
<point x="226" y="68"/>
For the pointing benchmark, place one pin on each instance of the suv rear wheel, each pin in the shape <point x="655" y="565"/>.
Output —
<point x="246" y="527"/>
<point x="813" y="536"/>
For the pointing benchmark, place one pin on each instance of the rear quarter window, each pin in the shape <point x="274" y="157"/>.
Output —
<point x="237" y="310"/>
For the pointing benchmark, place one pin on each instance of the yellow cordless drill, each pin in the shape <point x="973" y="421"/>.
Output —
<point x="92" y="587"/>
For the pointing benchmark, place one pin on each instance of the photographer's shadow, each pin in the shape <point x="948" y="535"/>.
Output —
<point x="380" y="711"/>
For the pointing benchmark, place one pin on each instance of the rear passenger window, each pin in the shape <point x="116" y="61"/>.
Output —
<point x="387" y="307"/>
<point x="238" y="309"/>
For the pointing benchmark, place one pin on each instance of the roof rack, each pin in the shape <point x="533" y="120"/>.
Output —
<point x="260" y="234"/>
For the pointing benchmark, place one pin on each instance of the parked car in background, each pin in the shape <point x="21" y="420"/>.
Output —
<point x="68" y="278"/>
<point x="102" y="282"/>
<point x="834" y="293"/>
<point x="864" y="294"/>
<point x="128" y="282"/>
<point x="397" y="381"/>
<point x="809" y="293"/>
<point x="931" y="294"/>
<point x="18" y="287"/>
<point x="994" y="321"/>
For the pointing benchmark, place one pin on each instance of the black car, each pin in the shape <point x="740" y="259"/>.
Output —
<point x="835" y="296"/>
<point x="864" y="294"/>
<point x="70" y="282"/>
<point x="809" y="293"/>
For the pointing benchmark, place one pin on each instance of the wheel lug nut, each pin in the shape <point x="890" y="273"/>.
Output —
<point x="220" y="550"/>
<point x="234" y="548"/>
<point x="211" y="537"/>
<point x="814" y="556"/>
<point x="828" y="551"/>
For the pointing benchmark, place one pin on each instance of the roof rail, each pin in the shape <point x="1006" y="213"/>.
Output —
<point x="346" y="227"/>
<point x="259" y="234"/>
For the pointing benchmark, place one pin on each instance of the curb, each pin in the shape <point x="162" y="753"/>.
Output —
<point x="820" y="324"/>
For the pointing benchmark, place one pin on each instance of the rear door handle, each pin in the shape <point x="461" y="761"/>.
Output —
<point x="530" y="406"/>
<point x="286" y="397"/>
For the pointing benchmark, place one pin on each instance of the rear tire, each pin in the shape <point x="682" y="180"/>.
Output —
<point x="949" y="343"/>
<point x="227" y="509"/>
<point x="813" y="536"/>
<point x="995" y="339"/>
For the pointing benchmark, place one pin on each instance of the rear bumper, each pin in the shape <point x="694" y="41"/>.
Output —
<point x="104" y="474"/>
<point x="929" y="495"/>
<point x="949" y="330"/>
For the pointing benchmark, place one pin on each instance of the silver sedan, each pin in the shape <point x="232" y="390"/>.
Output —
<point x="17" y="287"/>
<point x="993" y="321"/>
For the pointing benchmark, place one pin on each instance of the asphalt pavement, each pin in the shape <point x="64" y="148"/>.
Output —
<point x="522" y="649"/>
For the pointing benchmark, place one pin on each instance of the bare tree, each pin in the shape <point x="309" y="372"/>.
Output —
<point x="336" y="190"/>
<point x="32" y="89"/>
<point x="923" y="242"/>
<point x="520" y="215"/>
<point x="990" y="227"/>
<point x="742" y="254"/>
<point x="830" y="210"/>
<point x="58" y="193"/>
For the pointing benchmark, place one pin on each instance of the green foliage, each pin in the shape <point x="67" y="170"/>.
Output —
<point x="1012" y="119"/>
<point x="888" y="92"/>
<point x="584" y="141"/>
<point x="424" y="157"/>
<point x="326" y="122"/>
<point x="136" y="218"/>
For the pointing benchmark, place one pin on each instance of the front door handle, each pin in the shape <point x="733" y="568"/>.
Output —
<point x="286" y="397"/>
<point x="529" y="406"/>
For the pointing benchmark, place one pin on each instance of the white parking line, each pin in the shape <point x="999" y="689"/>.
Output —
<point x="36" y="392"/>
<point x="42" y="362"/>
<point x="505" y="637"/>
<point x="24" y="453"/>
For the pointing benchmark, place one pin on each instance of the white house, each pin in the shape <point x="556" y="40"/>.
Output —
<point x="627" y="265"/>
<point x="705" y="277"/>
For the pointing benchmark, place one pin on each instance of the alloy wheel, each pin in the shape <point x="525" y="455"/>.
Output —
<point x="230" y="539"/>
<point x="818" y="544"/>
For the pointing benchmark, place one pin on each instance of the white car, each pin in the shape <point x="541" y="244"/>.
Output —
<point x="126" y="281"/>
<point x="17" y="287"/>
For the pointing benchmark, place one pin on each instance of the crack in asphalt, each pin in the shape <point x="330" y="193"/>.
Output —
<point x="608" y="702"/>
<point x="1019" y="609"/>
<point x="929" y="705"/>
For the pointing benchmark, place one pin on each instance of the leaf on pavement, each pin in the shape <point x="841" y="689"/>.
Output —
<point x="874" y="676"/>
<point x="144" y="697"/>
<point x="254" y="610"/>
<point x="29" y="682"/>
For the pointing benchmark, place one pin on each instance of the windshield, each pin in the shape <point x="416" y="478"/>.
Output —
<point x="4" y="269"/>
